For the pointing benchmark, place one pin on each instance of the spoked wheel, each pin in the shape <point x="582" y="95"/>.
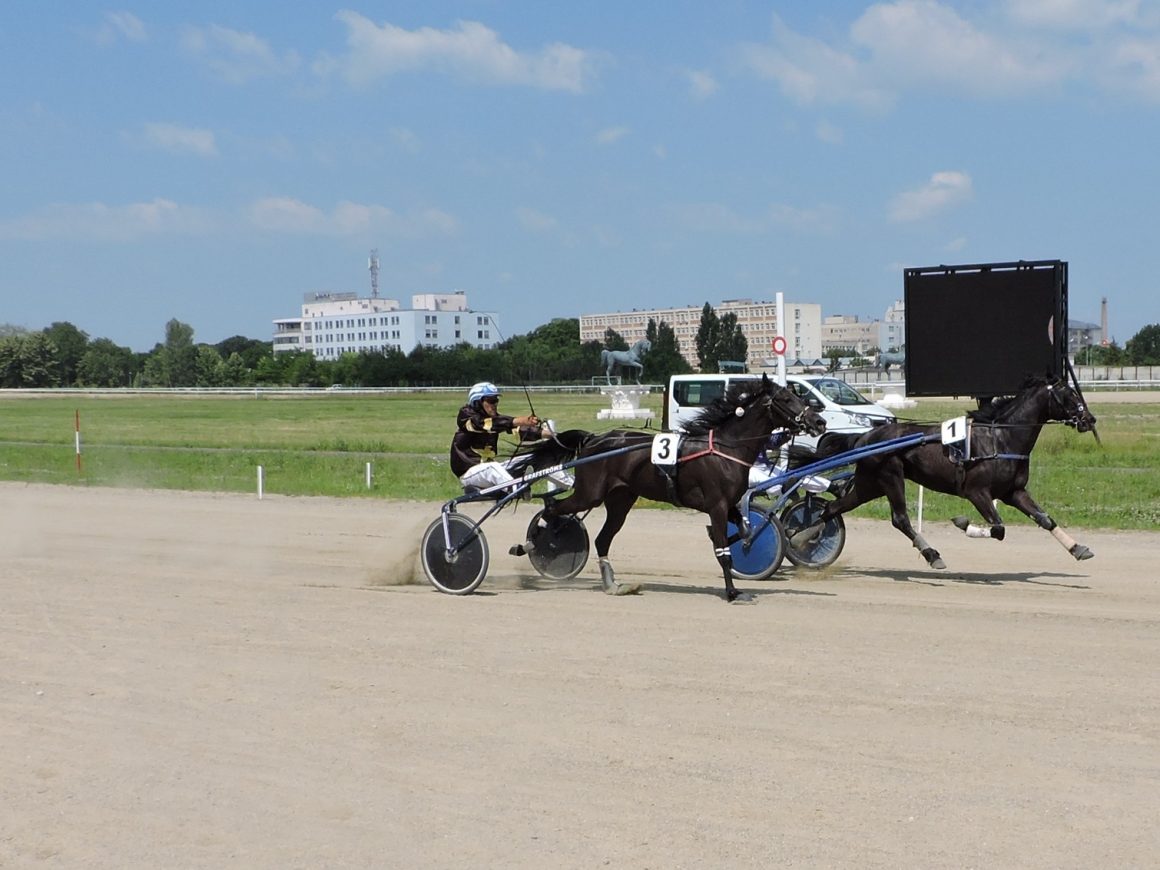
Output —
<point x="561" y="547"/>
<point x="759" y="557"/>
<point x="463" y="572"/>
<point x="824" y="546"/>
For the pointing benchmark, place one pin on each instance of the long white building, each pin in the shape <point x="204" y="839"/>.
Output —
<point x="332" y="324"/>
<point x="802" y="330"/>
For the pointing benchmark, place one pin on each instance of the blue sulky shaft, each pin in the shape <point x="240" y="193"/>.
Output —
<point x="783" y="479"/>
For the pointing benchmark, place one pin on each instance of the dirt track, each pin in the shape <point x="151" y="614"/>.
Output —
<point x="198" y="680"/>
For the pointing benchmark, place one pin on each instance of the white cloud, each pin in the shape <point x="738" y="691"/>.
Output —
<point x="809" y="71"/>
<point x="921" y="43"/>
<point x="1014" y="49"/>
<point x="535" y="221"/>
<point x="610" y="135"/>
<point x="236" y="57"/>
<point x="702" y="85"/>
<point x="121" y="25"/>
<point x="283" y="214"/>
<point x="110" y="223"/>
<point x="1081" y="15"/>
<point x="1133" y="67"/>
<point x="470" y="50"/>
<point x="181" y="140"/>
<point x="944" y="190"/>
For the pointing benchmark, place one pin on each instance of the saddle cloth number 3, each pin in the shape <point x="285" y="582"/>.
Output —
<point x="664" y="448"/>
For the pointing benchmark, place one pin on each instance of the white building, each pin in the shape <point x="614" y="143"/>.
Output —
<point x="892" y="332"/>
<point x="332" y="324"/>
<point x="758" y="322"/>
<point x="847" y="331"/>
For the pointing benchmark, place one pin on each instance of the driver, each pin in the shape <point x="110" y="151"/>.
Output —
<point x="479" y="425"/>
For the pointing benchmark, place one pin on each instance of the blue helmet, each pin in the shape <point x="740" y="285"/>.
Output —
<point x="482" y="390"/>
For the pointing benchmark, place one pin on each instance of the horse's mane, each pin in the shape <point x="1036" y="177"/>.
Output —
<point x="998" y="408"/>
<point x="739" y="395"/>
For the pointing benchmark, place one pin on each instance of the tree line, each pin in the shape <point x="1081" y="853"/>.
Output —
<point x="64" y="356"/>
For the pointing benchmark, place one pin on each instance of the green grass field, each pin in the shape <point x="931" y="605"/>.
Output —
<point x="320" y="444"/>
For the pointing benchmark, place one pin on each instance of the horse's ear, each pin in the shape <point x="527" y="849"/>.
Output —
<point x="764" y="381"/>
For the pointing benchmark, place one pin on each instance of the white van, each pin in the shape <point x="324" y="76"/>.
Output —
<point x="845" y="409"/>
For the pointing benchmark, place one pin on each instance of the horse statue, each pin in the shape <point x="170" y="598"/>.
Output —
<point x="995" y="464"/>
<point x="888" y="358"/>
<point x="709" y="473"/>
<point x="626" y="359"/>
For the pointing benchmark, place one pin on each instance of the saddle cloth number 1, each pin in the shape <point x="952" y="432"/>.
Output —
<point x="664" y="448"/>
<point x="954" y="431"/>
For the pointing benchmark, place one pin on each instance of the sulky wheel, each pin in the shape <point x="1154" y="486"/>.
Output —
<point x="759" y="557"/>
<point x="560" y="549"/>
<point x="825" y="546"/>
<point x="462" y="572"/>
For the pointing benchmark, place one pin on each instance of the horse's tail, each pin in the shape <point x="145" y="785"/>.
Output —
<point x="560" y="448"/>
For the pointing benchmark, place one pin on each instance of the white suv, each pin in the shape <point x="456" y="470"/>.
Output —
<point x="844" y="408"/>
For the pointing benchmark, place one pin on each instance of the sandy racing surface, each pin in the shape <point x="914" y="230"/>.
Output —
<point x="196" y="680"/>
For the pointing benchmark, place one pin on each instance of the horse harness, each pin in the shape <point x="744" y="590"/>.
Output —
<point x="670" y="471"/>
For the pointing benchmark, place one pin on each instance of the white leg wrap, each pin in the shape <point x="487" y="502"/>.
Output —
<point x="722" y="552"/>
<point x="1064" y="538"/>
<point x="974" y="531"/>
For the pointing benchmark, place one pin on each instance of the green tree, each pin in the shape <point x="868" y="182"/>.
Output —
<point x="664" y="358"/>
<point x="731" y="341"/>
<point x="71" y="345"/>
<point x="37" y="361"/>
<point x="173" y="364"/>
<point x="708" y="333"/>
<point x="613" y="340"/>
<point x="106" y="364"/>
<point x="211" y="368"/>
<point x="1143" y="348"/>
<point x="251" y="350"/>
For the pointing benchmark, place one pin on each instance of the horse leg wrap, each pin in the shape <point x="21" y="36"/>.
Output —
<point x="608" y="581"/>
<point x="928" y="552"/>
<point x="1078" y="550"/>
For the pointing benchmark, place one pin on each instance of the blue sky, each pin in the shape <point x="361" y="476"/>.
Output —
<point x="214" y="161"/>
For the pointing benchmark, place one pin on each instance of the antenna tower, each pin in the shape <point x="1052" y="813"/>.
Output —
<point x="373" y="265"/>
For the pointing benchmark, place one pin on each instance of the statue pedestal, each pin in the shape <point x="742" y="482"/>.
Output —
<point x="625" y="403"/>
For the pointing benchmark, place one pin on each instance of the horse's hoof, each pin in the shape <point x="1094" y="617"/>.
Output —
<point x="623" y="589"/>
<point x="1081" y="552"/>
<point x="961" y="522"/>
<point x="934" y="559"/>
<point x="741" y="598"/>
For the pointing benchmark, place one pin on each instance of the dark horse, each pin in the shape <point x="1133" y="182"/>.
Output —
<point x="710" y="473"/>
<point x="1000" y="440"/>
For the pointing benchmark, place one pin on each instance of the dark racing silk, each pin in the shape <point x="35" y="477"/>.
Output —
<point x="477" y="437"/>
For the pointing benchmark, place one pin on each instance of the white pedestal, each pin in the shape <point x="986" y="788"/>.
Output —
<point x="625" y="403"/>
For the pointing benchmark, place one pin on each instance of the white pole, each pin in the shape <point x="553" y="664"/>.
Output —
<point x="920" y="490"/>
<point x="368" y="475"/>
<point x="261" y="480"/>
<point x="779" y="315"/>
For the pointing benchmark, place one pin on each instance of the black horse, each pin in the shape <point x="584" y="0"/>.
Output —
<point x="993" y="463"/>
<point x="710" y="472"/>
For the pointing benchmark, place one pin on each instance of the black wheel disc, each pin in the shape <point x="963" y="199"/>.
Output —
<point x="561" y="548"/>
<point x="461" y="573"/>
<point x="821" y="549"/>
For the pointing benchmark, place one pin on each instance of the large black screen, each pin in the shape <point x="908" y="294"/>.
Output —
<point x="981" y="330"/>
